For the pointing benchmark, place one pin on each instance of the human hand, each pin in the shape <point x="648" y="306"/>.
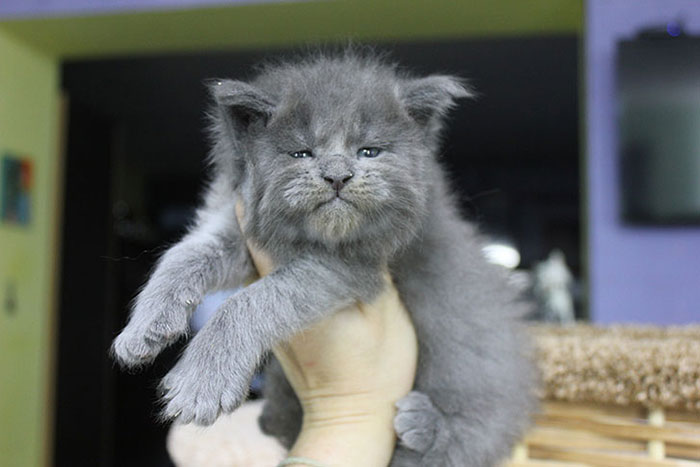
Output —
<point x="348" y="371"/>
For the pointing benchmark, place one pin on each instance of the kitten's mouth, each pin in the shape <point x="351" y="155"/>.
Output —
<point x="336" y="199"/>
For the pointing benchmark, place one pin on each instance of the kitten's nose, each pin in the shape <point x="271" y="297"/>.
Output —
<point x="338" y="181"/>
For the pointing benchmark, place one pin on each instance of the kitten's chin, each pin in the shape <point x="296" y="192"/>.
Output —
<point x="334" y="221"/>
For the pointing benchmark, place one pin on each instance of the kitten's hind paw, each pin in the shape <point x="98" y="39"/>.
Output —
<point x="417" y="422"/>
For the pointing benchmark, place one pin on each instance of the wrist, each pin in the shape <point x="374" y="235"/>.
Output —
<point x="350" y="430"/>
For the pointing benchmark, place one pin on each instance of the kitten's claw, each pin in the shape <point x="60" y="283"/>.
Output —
<point x="417" y="421"/>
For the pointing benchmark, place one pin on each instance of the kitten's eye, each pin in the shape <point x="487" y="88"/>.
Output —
<point x="369" y="152"/>
<point x="301" y="154"/>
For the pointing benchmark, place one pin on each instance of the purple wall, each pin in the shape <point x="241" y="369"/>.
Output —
<point x="637" y="274"/>
<point x="43" y="8"/>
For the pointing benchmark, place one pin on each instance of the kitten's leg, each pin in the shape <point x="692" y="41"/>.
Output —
<point x="214" y="372"/>
<point x="282" y="413"/>
<point x="213" y="255"/>
<point x="431" y="435"/>
<point x="472" y="397"/>
<point x="474" y="388"/>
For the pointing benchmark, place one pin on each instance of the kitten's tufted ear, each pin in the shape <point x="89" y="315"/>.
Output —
<point x="428" y="99"/>
<point x="238" y="106"/>
<point x="241" y="102"/>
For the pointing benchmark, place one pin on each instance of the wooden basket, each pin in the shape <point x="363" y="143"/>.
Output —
<point x="569" y="434"/>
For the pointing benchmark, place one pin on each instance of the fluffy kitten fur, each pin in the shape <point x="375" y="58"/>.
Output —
<point x="332" y="218"/>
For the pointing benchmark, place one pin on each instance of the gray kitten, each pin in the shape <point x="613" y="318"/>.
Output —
<point x="334" y="159"/>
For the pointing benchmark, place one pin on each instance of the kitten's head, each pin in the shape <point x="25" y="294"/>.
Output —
<point x="336" y="150"/>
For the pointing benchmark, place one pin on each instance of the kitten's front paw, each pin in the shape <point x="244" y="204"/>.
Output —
<point x="417" y="421"/>
<point x="154" y="325"/>
<point x="204" y="384"/>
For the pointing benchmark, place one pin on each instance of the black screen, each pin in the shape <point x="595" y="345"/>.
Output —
<point x="658" y="79"/>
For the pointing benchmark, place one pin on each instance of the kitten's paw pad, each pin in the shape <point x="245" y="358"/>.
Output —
<point x="200" y="392"/>
<point x="417" y="421"/>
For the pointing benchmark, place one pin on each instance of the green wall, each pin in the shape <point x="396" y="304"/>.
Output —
<point x="28" y="122"/>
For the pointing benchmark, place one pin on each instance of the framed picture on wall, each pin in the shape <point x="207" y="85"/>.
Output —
<point x="16" y="189"/>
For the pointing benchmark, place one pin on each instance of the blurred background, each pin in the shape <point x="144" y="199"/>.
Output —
<point x="581" y="157"/>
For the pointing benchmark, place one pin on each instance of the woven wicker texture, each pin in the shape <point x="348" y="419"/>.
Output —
<point x="621" y="365"/>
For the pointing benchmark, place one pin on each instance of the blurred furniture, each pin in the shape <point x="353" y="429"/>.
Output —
<point x="617" y="396"/>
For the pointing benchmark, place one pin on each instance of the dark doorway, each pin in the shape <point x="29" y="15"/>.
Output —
<point x="136" y="164"/>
